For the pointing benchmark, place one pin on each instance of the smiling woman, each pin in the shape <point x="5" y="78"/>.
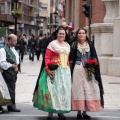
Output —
<point x="87" y="92"/>
<point x="55" y="97"/>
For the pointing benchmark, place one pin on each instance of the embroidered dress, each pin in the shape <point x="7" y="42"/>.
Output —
<point x="85" y="94"/>
<point x="4" y="93"/>
<point x="55" y="97"/>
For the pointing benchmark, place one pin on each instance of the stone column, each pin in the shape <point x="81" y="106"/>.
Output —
<point x="76" y="14"/>
<point x="116" y="37"/>
<point x="104" y="35"/>
<point x="114" y="62"/>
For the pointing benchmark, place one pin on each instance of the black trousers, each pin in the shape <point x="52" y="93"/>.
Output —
<point x="10" y="77"/>
<point x="22" y="54"/>
<point x="38" y="54"/>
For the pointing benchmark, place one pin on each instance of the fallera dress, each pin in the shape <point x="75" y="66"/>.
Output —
<point x="55" y="97"/>
<point x="5" y="99"/>
<point x="85" y="93"/>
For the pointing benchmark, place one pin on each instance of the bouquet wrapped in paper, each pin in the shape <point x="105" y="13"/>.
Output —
<point x="90" y="65"/>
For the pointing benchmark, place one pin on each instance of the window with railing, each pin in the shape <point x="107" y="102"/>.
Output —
<point x="44" y="7"/>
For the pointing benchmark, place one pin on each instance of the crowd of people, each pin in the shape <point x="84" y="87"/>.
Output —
<point x="62" y="85"/>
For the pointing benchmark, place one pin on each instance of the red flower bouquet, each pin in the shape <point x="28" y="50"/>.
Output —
<point x="90" y="65"/>
<point x="53" y="65"/>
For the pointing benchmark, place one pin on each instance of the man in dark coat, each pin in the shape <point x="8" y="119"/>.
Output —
<point x="43" y="44"/>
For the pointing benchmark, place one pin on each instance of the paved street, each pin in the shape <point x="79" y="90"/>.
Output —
<point x="24" y="92"/>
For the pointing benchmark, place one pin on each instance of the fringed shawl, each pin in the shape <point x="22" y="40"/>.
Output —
<point x="93" y="55"/>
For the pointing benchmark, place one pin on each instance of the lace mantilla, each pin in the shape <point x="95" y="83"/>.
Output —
<point x="56" y="48"/>
<point x="83" y="49"/>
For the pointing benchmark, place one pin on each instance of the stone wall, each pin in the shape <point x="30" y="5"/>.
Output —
<point x="107" y="37"/>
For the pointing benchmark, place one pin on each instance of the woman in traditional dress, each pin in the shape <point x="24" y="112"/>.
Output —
<point x="5" y="99"/>
<point x="87" y="95"/>
<point x="53" y="89"/>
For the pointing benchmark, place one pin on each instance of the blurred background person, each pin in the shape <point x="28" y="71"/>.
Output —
<point x="37" y="48"/>
<point x="43" y="44"/>
<point x="31" y="47"/>
<point x="22" y="48"/>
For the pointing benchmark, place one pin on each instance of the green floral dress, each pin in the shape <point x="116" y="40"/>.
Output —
<point x="54" y="97"/>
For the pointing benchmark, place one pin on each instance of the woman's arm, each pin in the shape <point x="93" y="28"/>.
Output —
<point x="48" y="56"/>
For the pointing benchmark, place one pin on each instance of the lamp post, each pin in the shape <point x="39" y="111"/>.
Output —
<point x="16" y="1"/>
<point x="55" y="15"/>
<point x="15" y="15"/>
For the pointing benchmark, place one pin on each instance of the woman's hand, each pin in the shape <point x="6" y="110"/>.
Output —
<point x="51" y="74"/>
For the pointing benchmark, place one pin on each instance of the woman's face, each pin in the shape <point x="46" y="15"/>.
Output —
<point x="61" y="35"/>
<point x="81" y="35"/>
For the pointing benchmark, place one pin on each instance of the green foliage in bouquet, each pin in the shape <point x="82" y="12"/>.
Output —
<point x="90" y="65"/>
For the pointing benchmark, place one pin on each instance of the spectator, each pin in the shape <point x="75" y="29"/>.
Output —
<point x="9" y="60"/>
<point x="31" y="47"/>
<point x="43" y="44"/>
<point x="37" y="48"/>
<point x="22" y="47"/>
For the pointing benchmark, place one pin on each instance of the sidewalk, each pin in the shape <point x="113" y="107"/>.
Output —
<point x="27" y="80"/>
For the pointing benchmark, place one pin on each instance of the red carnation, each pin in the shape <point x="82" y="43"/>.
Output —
<point x="90" y="64"/>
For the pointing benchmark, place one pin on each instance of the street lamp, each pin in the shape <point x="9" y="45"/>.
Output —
<point x="55" y="15"/>
<point x="16" y="13"/>
<point x="16" y="1"/>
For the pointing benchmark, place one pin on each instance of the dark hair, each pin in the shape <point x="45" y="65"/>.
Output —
<point x="87" y="39"/>
<point x="61" y="28"/>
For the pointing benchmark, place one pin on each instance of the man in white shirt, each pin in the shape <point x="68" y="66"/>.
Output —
<point x="9" y="60"/>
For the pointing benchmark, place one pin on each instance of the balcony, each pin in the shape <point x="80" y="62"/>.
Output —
<point x="27" y="19"/>
<point x="6" y="18"/>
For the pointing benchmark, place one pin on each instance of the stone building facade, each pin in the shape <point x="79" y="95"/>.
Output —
<point x="107" y="35"/>
<point x="73" y="12"/>
<point x="105" y="27"/>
